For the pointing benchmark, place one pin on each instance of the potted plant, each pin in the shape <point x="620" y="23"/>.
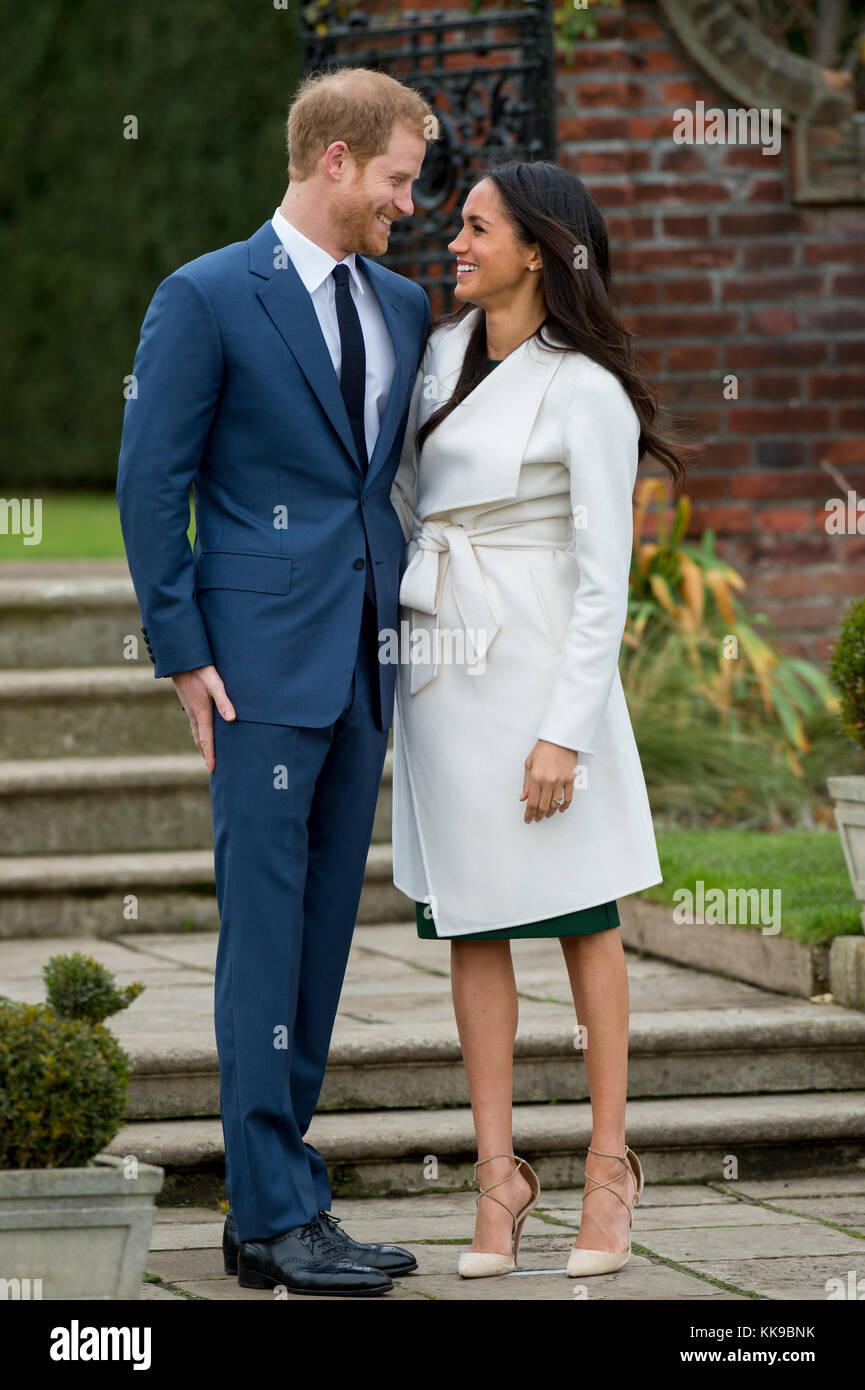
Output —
<point x="75" y="1223"/>
<point x="847" y="673"/>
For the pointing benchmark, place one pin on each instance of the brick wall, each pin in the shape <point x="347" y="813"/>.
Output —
<point x="718" y="273"/>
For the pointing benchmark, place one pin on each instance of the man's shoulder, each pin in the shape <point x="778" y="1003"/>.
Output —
<point x="211" y="269"/>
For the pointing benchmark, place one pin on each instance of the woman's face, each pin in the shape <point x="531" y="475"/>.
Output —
<point x="491" y="263"/>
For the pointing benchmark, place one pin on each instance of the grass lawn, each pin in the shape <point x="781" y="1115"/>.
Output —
<point x="817" y="902"/>
<point x="75" y="526"/>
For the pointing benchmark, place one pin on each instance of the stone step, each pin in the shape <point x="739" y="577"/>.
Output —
<point x="75" y="805"/>
<point x="771" y="1049"/>
<point x="109" y="894"/>
<point x="77" y="620"/>
<point x="92" y="711"/>
<point x="678" y="1139"/>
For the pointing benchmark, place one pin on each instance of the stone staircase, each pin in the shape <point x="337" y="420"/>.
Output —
<point x="105" y="822"/>
<point x="105" y="831"/>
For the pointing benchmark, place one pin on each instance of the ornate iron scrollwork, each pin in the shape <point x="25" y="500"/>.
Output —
<point x="497" y="106"/>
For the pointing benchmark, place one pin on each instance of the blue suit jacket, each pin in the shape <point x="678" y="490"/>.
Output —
<point x="235" y="394"/>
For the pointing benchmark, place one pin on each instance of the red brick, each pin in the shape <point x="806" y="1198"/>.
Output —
<point x="696" y="325"/>
<point x="849" y="354"/>
<point x="696" y="358"/>
<point x="613" y="161"/>
<point x="647" y="258"/>
<point x="594" y="94"/>
<point x="636" y="292"/>
<point x="696" y="226"/>
<point x="762" y="257"/>
<point x="839" y="582"/>
<point x="853" y="285"/>
<point x="780" y="387"/>
<point x="773" y="321"/>
<point x="682" y="93"/>
<point x="705" y="486"/>
<point x="650" y="127"/>
<point x="685" y="191"/>
<point x="592" y="128"/>
<point x="816" y="614"/>
<point x="791" y="419"/>
<point x="656" y="60"/>
<point x="757" y="224"/>
<point x="844" y="318"/>
<point x="776" y="354"/>
<point x="688" y="291"/>
<point x="767" y="191"/>
<point x="752" y="287"/>
<point x="629" y="229"/>
<point x="851" y="417"/>
<point x="728" y="453"/>
<point x="775" y="485"/>
<point x="684" y="159"/>
<point x="641" y="27"/>
<point x="834" y="253"/>
<point x="742" y="157"/>
<point x="839" y="451"/>
<point x="729" y="518"/>
<point x="837" y="386"/>
<point x="795" y="583"/>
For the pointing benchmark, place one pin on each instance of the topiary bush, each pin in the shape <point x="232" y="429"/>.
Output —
<point x="847" y="670"/>
<point x="63" y="1076"/>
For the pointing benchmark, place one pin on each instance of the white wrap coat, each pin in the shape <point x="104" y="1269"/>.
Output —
<point x="518" y="517"/>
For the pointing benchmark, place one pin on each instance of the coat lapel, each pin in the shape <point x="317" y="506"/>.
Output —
<point x="474" y="456"/>
<point x="289" y="306"/>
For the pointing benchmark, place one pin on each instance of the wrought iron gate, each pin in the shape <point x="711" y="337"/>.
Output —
<point x="489" y="78"/>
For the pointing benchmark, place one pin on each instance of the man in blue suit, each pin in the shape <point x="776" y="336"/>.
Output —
<point x="274" y="377"/>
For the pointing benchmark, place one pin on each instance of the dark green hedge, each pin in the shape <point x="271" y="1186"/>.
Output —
<point x="90" y="222"/>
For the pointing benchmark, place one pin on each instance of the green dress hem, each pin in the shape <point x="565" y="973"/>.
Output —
<point x="583" y="922"/>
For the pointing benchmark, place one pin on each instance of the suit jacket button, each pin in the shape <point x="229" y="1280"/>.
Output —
<point x="359" y="564"/>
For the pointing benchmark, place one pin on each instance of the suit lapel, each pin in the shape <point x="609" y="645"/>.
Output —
<point x="289" y="306"/>
<point x="398" y="396"/>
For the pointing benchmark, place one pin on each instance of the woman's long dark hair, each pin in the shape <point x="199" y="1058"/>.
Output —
<point x="550" y="207"/>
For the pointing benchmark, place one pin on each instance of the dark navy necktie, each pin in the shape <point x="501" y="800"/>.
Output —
<point x="352" y="377"/>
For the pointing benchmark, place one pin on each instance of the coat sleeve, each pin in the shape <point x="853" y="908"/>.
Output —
<point x="178" y="372"/>
<point x="600" y="436"/>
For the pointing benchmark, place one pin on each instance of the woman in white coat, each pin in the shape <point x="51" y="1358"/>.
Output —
<point x="520" y="807"/>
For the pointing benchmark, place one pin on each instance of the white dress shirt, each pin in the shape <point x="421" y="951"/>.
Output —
<point x="314" y="265"/>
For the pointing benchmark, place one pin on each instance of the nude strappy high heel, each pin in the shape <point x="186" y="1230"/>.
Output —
<point x="478" y="1265"/>
<point x="581" y="1261"/>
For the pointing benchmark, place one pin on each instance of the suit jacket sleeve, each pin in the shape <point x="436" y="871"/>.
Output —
<point x="403" y="494"/>
<point x="178" y="373"/>
<point x="600" y="434"/>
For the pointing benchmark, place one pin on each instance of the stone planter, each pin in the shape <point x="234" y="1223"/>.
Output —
<point x="848" y="793"/>
<point x="76" y="1233"/>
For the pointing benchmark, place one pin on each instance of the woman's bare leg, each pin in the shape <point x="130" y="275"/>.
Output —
<point x="485" y="1004"/>
<point x="599" y="984"/>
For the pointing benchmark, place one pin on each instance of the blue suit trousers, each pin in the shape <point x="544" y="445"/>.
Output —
<point x="293" y="812"/>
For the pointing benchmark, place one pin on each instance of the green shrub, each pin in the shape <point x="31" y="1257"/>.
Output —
<point x="847" y="670"/>
<point x="79" y="987"/>
<point x="91" y="221"/>
<point x="63" y="1077"/>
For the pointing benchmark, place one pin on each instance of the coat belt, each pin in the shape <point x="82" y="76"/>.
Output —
<point x="419" y="589"/>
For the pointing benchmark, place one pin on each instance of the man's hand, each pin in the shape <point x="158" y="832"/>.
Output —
<point x="199" y="691"/>
<point x="548" y="783"/>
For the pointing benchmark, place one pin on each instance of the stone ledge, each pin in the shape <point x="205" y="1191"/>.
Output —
<point x="773" y="962"/>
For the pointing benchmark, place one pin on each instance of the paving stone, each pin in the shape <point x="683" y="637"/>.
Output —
<point x="196" y="1235"/>
<point x="155" y="1293"/>
<point x="827" y="1185"/>
<point x="169" y="1216"/>
<point x="661" y="1218"/>
<point x="176" y="1266"/>
<point x="771" y="1241"/>
<point x="802" y="1277"/>
<point x="843" y="1211"/>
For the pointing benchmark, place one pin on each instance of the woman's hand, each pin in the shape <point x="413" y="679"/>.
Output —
<point x="549" y="780"/>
